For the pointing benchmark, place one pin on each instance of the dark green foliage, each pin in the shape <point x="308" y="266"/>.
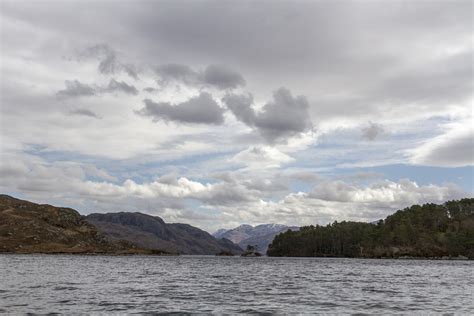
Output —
<point x="428" y="230"/>
<point x="251" y="252"/>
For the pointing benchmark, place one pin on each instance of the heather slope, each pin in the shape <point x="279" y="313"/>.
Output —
<point x="27" y="227"/>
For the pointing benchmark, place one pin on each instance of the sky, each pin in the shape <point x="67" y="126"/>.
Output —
<point x="219" y="113"/>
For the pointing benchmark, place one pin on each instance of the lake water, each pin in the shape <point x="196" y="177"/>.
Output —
<point x="141" y="284"/>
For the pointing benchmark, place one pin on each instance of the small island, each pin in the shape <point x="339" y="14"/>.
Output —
<point x="225" y="253"/>
<point x="251" y="251"/>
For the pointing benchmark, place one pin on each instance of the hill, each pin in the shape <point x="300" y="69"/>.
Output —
<point x="260" y="236"/>
<point x="428" y="231"/>
<point x="152" y="232"/>
<point x="27" y="227"/>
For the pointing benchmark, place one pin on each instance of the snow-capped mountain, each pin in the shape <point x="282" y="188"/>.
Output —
<point x="260" y="235"/>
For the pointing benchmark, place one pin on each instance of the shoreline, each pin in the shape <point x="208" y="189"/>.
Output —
<point x="462" y="258"/>
<point x="91" y="254"/>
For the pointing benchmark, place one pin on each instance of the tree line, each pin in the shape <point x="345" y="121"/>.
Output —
<point x="428" y="230"/>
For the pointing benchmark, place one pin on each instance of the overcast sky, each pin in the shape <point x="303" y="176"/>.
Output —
<point x="218" y="113"/>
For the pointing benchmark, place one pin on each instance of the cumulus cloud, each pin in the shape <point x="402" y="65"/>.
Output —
<point x="226" y="194"/>
<point x="34" y="175"/>
<point x="71" y="178"/>
<point x="285" y="116"/>
<point x="238" y="198"/>
<point x="336" y="200"/>
<point x="182" y="188"/>
<point x="372" y="131"/>
<point x="267" y="186"/>
<point x="384" y="194"/>
<point x="261" y="157"/>
<point x="217" y="76"/>
<point x="68" y="179"/>
<point x="454" y="148"/>
<point x="202" y="109"/>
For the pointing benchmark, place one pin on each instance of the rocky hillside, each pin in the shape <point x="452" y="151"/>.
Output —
<point x="260" y="236"/>
<point x="152" y="232"/>
<point x="27" y="227"/>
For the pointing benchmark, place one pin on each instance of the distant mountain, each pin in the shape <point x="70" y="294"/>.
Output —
<point x="235" y="235"/>
<point x="260" y="235"/>
<point x="27" y="227"/>
<point x="152" y="232"/>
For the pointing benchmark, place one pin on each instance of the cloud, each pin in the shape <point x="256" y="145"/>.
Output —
<point x="233" y="198"/>
<point x="265" y="186"/>
<point x="261" y="157"/>
<point x="150" y="89"/>
<point x="226" y="194"/>
<point x="120" y="86"/>
<point x="76" y="89"/>
<point x="201" y="109"/>
<point x="442" y="79"/>
<point x="217" y="76"/>
<point x="131" y="70"/>
<point x="34" y="175"/>
<point x="384" y="194"/>
<point x="418" y="75"/>
<point x="177" y="73"/>
<point x="85" y="112"/>
<point x="454" y="148"/>
<point x="222" y="77"/>
<point x="284" y="117"/>
<point x="372" y="131"/>
<point x="241" y="107"/>
<point x="69" y="179"/>
<point x="305" y="176"/>
<point x="337" y="200"/>
<point x="108" y="61"/>
<point x="183" y="187"/>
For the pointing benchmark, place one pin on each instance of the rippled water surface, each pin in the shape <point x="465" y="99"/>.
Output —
<point x="131" y="284"/>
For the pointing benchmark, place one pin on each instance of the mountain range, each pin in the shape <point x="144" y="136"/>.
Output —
<point x="30" y="227"/>
<point x="27" y="227"/>
<point x="429" y="231"/>
<point x="152" y="232"/>
<point x="260" y="236"/>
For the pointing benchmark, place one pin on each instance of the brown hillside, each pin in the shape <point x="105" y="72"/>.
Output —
<point x="27" y="227"/>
